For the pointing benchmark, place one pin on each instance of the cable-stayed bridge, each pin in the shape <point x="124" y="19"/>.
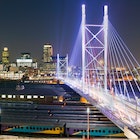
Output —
<point x="109" y="75"/>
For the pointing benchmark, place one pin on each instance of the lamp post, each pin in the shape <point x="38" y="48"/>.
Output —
<point x="0" y="121"/>
<point x="88" y="123"/>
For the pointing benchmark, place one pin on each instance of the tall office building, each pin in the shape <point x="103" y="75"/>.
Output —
<point x="47" y="53"/>
<point x="5" y="56"/>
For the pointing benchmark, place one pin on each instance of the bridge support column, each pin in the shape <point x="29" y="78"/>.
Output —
<point x="83" y="46"/>
<point x="58" y="69"/>
<point x="105" y="45"/>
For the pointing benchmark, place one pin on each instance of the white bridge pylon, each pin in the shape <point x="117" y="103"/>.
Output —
<point x="62" y="67"/>
<point x="94" y="51"/>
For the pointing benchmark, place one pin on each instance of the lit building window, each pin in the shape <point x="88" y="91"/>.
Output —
<point x="41" y="97"/>
<point x="35" y="96"/>
<point x="3" y="96"/>
<point x="29" y="96"/>
<point x="21" y="96"/>
<point x="54" y="97"/>
<point x="14" y="96"/>
<point x="9" y="96"/>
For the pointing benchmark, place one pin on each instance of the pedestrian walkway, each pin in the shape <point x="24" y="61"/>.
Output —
<point x="7" y="137"/>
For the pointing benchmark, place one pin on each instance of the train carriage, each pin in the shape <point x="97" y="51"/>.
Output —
<point x="64" y="130"/>
<point x="96" y="132"/>
<point x="33" y="129"/>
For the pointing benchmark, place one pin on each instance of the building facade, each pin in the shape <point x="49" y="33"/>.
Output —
<point x="47" y="53"/>
<point x="5" y="56"/>
<point x="26" y="61"/>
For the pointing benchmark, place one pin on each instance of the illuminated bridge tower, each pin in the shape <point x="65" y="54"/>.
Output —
<point x="94" y="51"/>
<point x="62" y="66"/>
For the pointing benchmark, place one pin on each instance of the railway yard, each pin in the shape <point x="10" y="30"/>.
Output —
<point x="63" y="115"/>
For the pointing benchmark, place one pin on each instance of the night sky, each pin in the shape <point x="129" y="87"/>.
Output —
<point x="26" y="25"/>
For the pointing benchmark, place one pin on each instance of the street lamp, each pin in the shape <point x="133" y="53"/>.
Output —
<point x="88" y="111"/>
<point x="0" y="121"/>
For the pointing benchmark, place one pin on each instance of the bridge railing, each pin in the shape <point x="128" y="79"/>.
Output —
<point x="114" y="106"/>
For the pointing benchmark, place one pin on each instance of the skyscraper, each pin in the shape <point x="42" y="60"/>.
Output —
<point x="5" y="56"/>
<point x="47" y="53"/>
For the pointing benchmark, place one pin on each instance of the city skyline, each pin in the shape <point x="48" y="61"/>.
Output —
<point x="27" y="25"/>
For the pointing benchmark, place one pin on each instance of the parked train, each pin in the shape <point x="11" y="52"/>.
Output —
<point x="64" y="130"/>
